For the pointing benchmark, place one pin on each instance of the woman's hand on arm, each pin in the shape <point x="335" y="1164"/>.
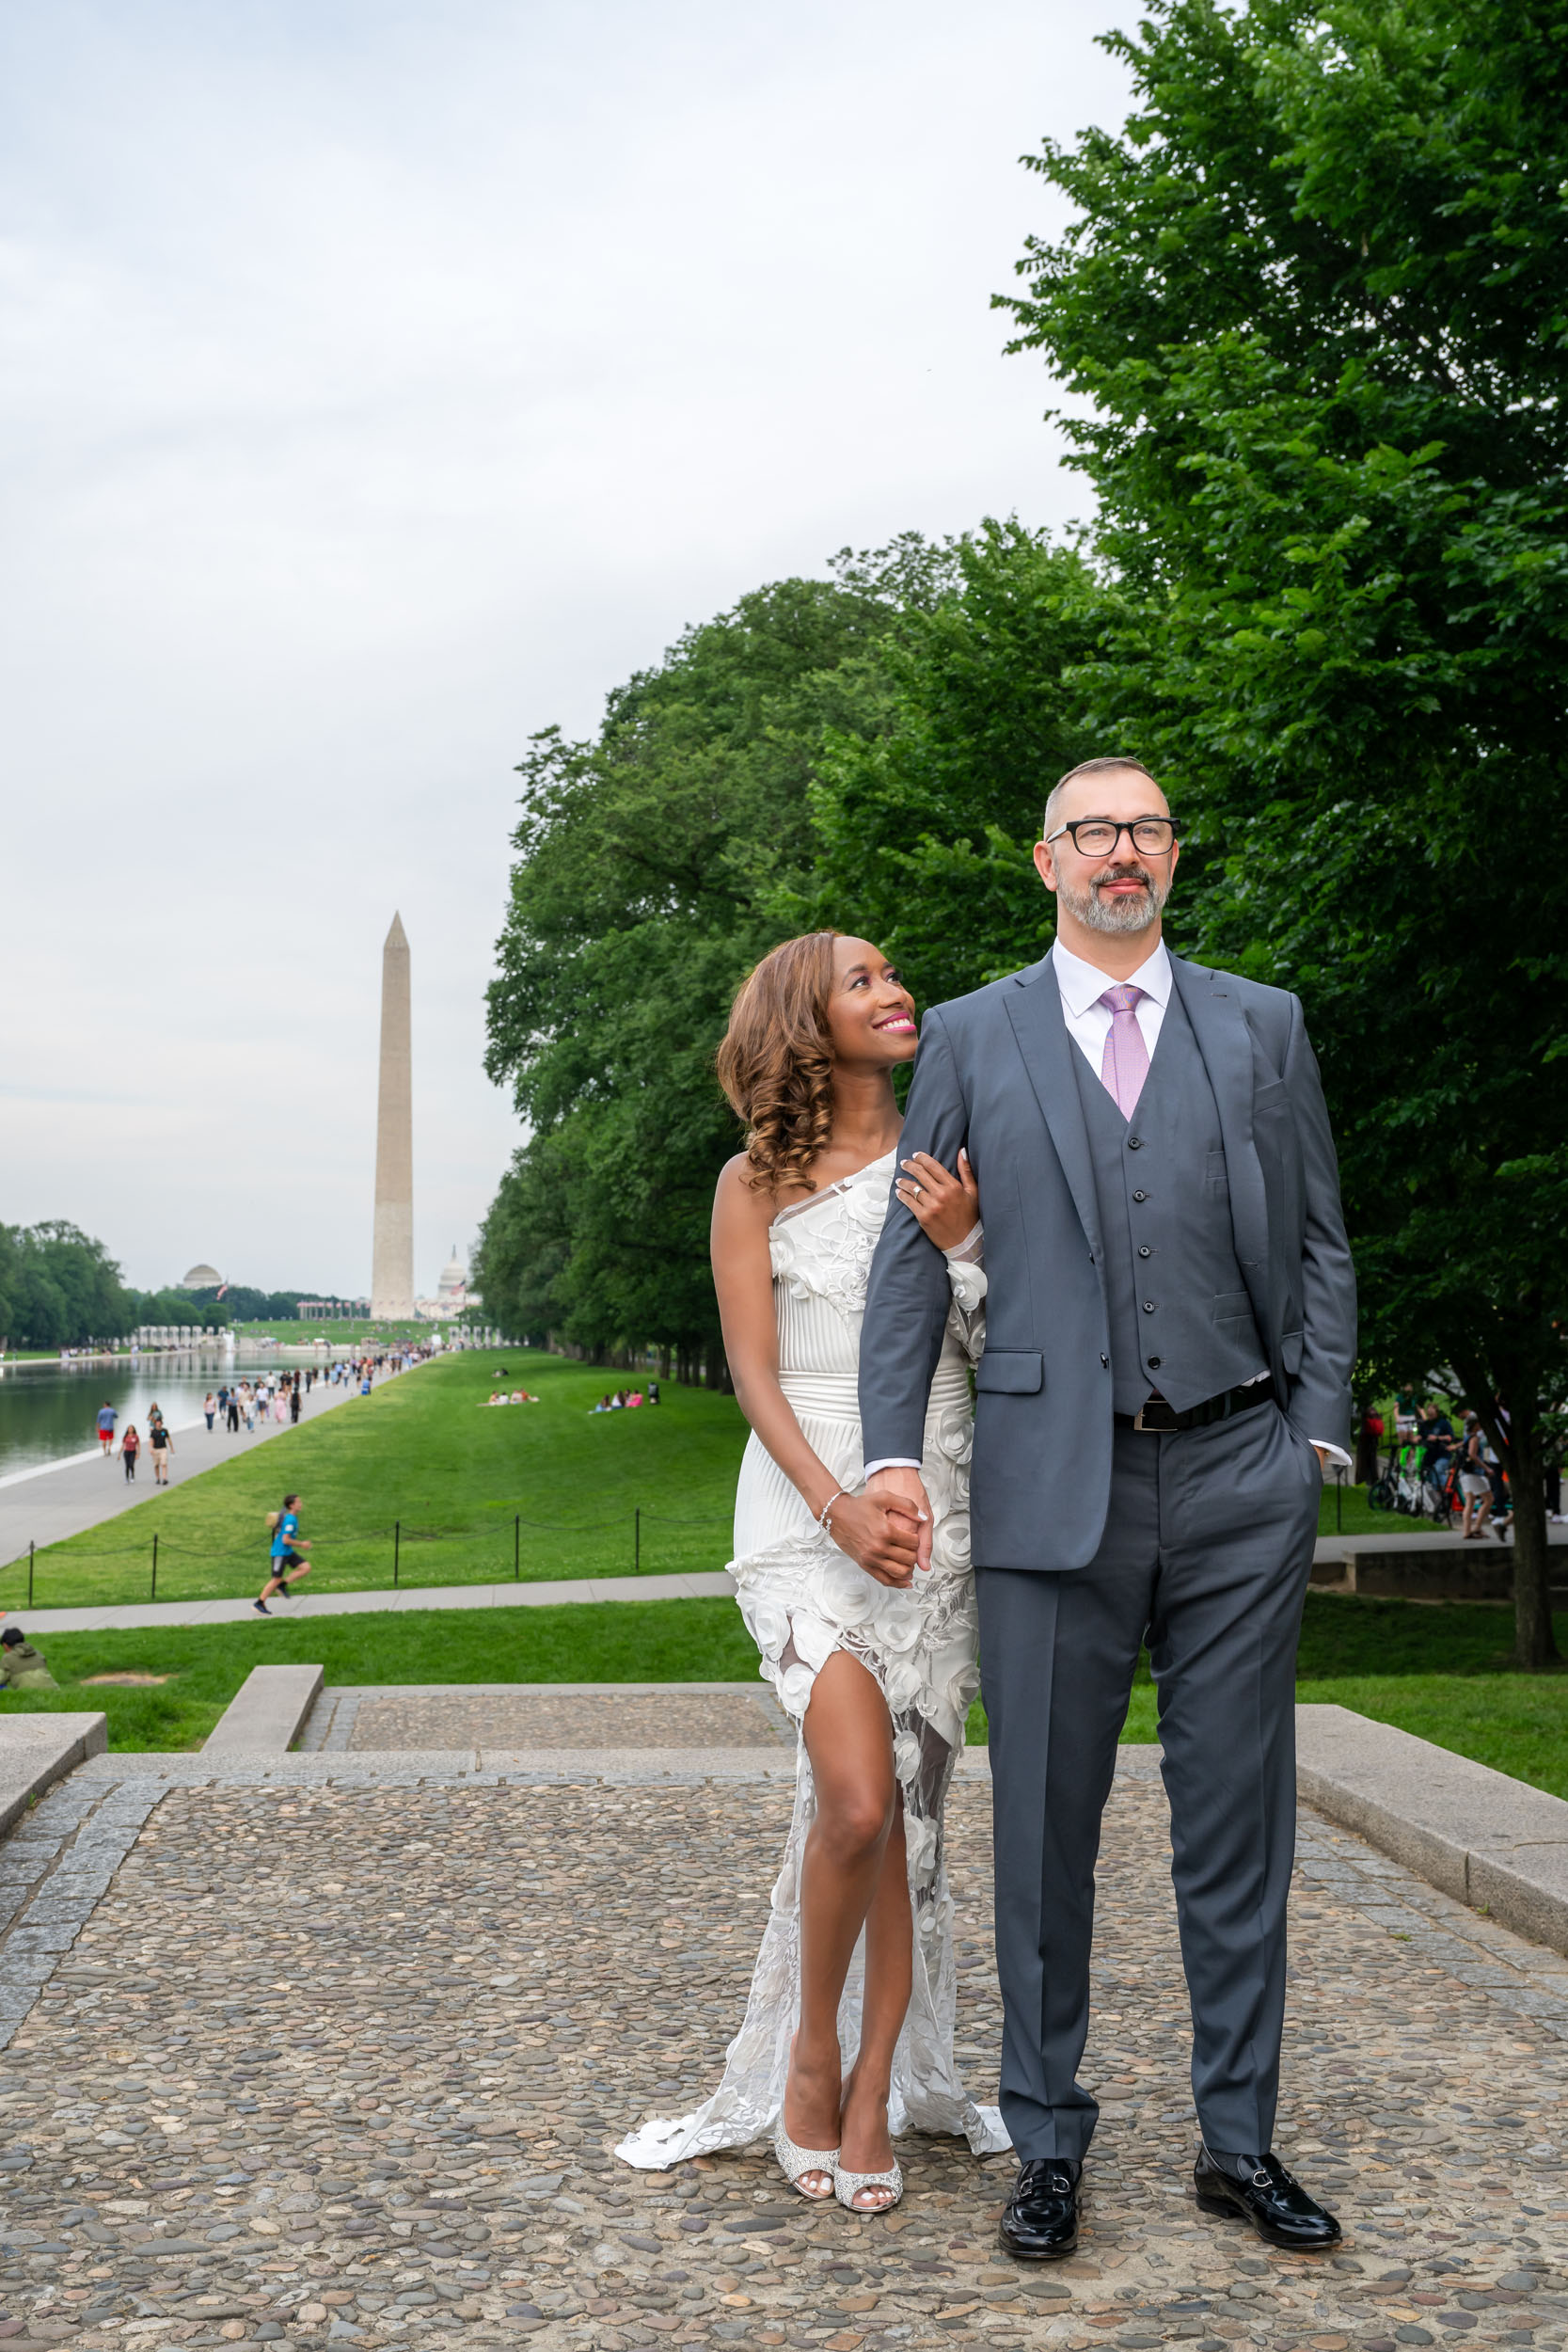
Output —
<point x="946" y="1207"/>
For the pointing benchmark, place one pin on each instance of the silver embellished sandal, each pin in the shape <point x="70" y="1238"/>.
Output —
<point x="847" y="2186"/>
<point x="794" y="2161"/>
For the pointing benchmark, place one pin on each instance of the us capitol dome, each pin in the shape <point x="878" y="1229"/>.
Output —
<point x="452" y="1298"/>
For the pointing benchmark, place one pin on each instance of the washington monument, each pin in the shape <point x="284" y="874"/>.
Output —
<point x="392" y="1260"/>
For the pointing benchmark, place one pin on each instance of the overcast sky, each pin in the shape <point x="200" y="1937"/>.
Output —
<point x="379" y="384"/>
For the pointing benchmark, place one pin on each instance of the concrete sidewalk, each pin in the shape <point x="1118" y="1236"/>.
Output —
<point x="60" y="1498"/>
<point x="703" y="1585"/>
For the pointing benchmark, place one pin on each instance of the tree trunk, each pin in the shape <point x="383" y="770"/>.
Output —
<point x="1518" y="1444"/>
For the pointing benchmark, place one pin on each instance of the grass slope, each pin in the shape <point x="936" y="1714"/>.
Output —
<point x="425" y="1451"/>
<point x="679" y="1640"/>
<point x="550" y="1489"/>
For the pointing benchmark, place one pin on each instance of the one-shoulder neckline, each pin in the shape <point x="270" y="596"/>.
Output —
<point x="815" y="1199"/>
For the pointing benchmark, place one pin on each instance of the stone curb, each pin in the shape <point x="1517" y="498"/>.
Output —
<point x="1477" y="1834"/>
<point x="267" y="1712"/>
<point x="38" y="1750"/>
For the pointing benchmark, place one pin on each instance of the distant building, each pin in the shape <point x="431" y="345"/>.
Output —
<point x="202" y="1278"/>
<point x="452" y="1298"/>
<point x="333" y="1310"/>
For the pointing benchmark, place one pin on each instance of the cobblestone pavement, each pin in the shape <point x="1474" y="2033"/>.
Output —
<point x="337" y="2055"/>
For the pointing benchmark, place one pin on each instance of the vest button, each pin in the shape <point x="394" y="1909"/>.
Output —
<point x="1134" y="1143"/>
<point x="1148" y="1306"/>
<point x="1153" y="1362"/>
<point x="1143" y="1250"/>
<point x="1140" y="1196"/>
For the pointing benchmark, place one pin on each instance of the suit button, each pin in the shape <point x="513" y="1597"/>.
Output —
<point x="1140" y="1196"/>
<point x="1148" y="1306"/>
<point x="1134" y="1143"/>
<point x="1106" y="1361"/>
<point x="1153" y="1362"/>
<point x="1143" y="1250"/>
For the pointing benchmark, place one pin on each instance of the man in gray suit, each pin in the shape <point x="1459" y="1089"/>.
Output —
<point x="1171" y="1329"/>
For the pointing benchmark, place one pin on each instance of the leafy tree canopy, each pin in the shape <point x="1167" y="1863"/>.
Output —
<point x="645" y="861"/>
<point x="1317" y="292"/>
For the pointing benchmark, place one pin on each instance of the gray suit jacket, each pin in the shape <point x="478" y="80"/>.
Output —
<point x="993" y="1074"/>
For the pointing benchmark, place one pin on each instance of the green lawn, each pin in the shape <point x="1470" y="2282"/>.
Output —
<point x="1439" y="1672"/>
<point x="422" y="1484"/>
<point x="668" y="1641"/>
<point x="551" y="1490"/>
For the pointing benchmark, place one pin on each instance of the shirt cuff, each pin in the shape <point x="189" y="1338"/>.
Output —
<point x="894" y="1461"/>
<point x="1338" y="1457"/>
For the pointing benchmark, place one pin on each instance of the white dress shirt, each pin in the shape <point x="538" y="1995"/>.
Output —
<point x="1081" y="986"/>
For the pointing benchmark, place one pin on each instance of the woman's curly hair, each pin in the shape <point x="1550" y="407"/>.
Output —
<point x="776" y="1062"/>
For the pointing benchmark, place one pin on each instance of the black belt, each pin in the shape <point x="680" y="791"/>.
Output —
<point x="1157" y="1414"/>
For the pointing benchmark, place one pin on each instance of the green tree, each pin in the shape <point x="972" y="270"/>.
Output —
<point x="922" y="825"/>
<point x="62" y="1288"/>
<point x="1315" y="302"/>
<point x="643" y="892"/>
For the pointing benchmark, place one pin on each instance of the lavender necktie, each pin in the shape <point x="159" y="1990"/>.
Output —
<point x="1126" y="1061"/>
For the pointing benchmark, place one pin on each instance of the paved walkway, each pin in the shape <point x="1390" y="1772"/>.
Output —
<point x="332" y="2049"/>
<point x="549" y="1593"/>
<point x="60" y="1498"/>
<point x="701" y="1584"/>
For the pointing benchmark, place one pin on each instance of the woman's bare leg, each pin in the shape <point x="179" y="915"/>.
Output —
<point x="889" y="1969"/>
<point x="848" y="1738"/>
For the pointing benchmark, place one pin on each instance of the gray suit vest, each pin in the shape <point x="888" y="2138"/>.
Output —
<point x="1181" y="1317"/>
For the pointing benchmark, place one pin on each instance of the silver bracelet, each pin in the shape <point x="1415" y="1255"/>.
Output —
<point x="839" y="1494"/>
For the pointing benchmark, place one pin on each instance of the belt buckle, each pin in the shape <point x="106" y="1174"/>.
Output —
<point x="1155" y="1427"/>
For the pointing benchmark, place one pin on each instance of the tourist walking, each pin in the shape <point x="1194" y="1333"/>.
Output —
<point x="234" y="1414"/>
<point x="294" y="1400"/>
<point x="876" y="1666"/>
<point x="129" y="1446"/>
<point x="1475" y="1483"/>
<point x="106" y="1420"/>
<point x="286" y="1548"/>
<point x="210" y="1407"/>
<point x="1171" y="1334"/>
<point x="163" y="1446"/>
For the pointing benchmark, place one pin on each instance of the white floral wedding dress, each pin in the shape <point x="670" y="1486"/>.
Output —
<point x="802" y="1598"/>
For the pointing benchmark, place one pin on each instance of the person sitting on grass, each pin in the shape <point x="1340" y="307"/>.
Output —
<point x="22" y="1666"/>
<point x="287" y="1565"/>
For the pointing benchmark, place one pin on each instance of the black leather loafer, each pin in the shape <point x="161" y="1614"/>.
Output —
<point x="1040" y="2222"/>
<point x="1259" y="2190"/>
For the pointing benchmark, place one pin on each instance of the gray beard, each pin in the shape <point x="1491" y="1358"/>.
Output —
<point x="1116" y="917"/>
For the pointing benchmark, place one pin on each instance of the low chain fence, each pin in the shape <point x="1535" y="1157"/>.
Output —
<point x="396" y="1535"/>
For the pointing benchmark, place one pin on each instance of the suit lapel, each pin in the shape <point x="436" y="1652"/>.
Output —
<point x="1225" y="1042"/>
<point x="1034" y="1009"/>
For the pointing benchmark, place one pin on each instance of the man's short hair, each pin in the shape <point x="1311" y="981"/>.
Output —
<point x="1090" y="768"/>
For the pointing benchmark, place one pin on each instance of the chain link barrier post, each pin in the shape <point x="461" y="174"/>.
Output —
<point x="517" y="1550"/>
<point x="397" y="1548"/>
<point x="637" y="1543"/>
<point x="154" y="1592"/>
<point x="31" y="1548"/>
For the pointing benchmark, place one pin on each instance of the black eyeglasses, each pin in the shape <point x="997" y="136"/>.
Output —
<point x="1101" y="837"/>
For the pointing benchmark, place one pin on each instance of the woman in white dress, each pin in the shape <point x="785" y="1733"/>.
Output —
<point x="874" y="1659"/>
